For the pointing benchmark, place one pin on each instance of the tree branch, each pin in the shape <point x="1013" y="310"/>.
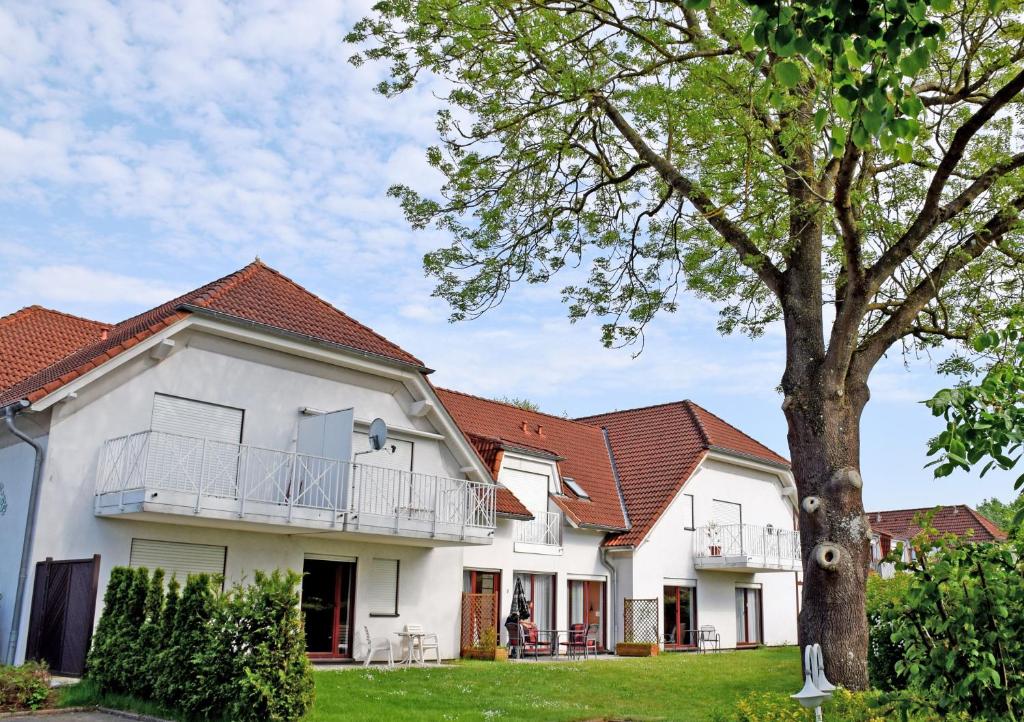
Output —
<point x="750" y="255"/>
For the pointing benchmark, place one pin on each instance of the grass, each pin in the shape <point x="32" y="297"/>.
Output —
<point x="669" y="687"/>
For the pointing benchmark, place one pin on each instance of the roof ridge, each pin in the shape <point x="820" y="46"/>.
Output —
<point x="582" y="419"/>
<point x="518" y="408"/>
<point x="222" y="285"/>
<point x="36" y="307"/>
<point x="917" y="508"/>
<point x="688" y="405"/>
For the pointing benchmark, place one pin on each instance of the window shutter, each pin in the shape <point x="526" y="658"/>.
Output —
<point x="383" y="594"/>
<point x="196" y="419"/>
<point x="177" y="559"/>
<point x="726" y="512"/>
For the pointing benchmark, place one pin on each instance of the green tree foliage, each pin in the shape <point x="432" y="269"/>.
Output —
<point x="516" y="401"/>
<point x="959" y="627"/>
<point x="774" y="158"/>
<point x="985" y="421"/>
<point x="1003" y="515"/>
<point x="180" y="683"/>
<point x="108" y="639"/>
<point x="150" y="639"/>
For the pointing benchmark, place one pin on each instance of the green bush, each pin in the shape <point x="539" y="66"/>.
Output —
<point x="24" y="687"/>
<point x="844" y="706"/>
<point x="960" y="627"/>
<point x="883" y="653"/>
<point x="204" y="654"/>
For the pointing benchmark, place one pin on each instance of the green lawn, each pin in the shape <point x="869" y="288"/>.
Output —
<point x="669" y="687"/>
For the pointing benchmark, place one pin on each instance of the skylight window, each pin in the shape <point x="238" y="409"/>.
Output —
<point x="576" y="488"/>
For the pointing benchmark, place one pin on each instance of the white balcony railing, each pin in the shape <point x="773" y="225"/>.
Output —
<point x="545" y="528"/>
<point x="746" y="545"/>
<point x="288" y="486"/>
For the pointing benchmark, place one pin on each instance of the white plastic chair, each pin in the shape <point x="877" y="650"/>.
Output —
<point x="423" y="641"/>
<point x="377" y="645"/>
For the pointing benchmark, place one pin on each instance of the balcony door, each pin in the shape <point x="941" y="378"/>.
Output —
<point x="749" y="620"/>
<point x="328" y="607"/>
<point x="680" y="608"/>
<point x="586" y="605"/>
<point x="195" y="447"/>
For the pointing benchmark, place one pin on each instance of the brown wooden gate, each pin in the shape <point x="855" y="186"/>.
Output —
<point x="479" y="614"/>
<point x="63" y="608"/>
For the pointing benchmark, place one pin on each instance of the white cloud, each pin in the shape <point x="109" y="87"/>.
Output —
<point x="73" y="285"/>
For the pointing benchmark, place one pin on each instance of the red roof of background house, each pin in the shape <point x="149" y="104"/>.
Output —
<point x="656" y="450"/>
<point x="35" y="337"/>
<point x="255" y="294"/>
<point x="579" y="448"/>
<point x="958" y="519"/>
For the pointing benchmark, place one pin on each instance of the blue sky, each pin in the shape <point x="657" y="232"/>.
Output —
<point x="146" y="148"/>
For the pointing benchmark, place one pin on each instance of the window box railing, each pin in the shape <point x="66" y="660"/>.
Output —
<point x="545" y="528"/>
<point x="247" y="479"/>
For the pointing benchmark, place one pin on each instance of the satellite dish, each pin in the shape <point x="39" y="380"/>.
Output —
<point x="378" y="434"/>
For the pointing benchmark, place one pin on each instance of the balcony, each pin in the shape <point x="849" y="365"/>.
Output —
<point x="746" y="548"/>
<point x="168" y="477"/>
<point x="542" y="535"/>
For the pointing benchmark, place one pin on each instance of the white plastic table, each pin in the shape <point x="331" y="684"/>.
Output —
<point x="412" y="638"/>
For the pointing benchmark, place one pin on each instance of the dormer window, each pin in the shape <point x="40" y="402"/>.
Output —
<point x="576" y="488"/>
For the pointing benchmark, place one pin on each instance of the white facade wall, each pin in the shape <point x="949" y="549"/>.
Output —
<point x="666" y="555"/>
<point x="271" y="387"/>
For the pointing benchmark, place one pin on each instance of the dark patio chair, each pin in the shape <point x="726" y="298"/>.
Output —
<point x="516" y="640"/>
<point x="591" y="641"/>
<point x="577" y="641"/>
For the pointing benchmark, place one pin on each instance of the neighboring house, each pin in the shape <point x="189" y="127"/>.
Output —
<point x="713" y="515"/>
<point x="226" y="431"/>
<point x="889" y="529"/>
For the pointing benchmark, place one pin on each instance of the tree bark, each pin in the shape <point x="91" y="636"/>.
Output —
<point x="824" y="441"/>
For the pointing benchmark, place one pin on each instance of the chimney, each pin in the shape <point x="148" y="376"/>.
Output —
<point x="525" y="427"/>
<point x="540" y="430"/>
<point x="103" y="335"/>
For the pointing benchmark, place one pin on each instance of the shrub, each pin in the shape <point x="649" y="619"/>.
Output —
<point x="959" y="627"/>
<point x="24" y="687"/>
<point x="844" y="706"/>
<point x="206" y="655"/>
<point x="883" y="652"/>
<point x="256" y="663"/>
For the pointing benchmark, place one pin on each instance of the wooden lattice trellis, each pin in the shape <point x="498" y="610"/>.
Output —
<point x="640" y="621"/>
<point x="479" y="614"/>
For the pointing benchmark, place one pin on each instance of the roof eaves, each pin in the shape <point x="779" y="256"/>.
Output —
<point x="277" y="330"/>
<point x="527" y="451"/>
<point x="748" y="457"/>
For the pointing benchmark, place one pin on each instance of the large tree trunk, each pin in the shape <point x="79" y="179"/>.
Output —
<point x="824" y="442"/>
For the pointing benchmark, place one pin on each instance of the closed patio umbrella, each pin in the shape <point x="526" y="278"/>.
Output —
<point x="520" y="607"/>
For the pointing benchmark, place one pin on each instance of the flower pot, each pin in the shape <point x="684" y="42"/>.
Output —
<point x="716" y="550"/>
<point x="636" y="649"/>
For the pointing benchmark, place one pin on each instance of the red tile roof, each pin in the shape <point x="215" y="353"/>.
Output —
<point x="255" y="294"/>
<point x="958" y="519"/>
<point x="35" y="337"/>
<point x="656" y="450"/>
<point x="490" y="450"/>
<point x="579" y="448"/>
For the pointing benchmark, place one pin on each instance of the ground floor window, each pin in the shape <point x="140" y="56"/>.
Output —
<point x="328" y="606"/>
<point x="586" y="605"/>
<point x="748" y="616"/>
<point x="540" y="593"/>
<point x="680" y="607"/>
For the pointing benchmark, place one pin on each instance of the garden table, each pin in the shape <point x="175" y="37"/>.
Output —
<point x="412" y="638"/>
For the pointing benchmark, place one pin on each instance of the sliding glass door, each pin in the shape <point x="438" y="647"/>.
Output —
<point x="586" y="605"/>
<point x="748" y="617"/>
<point x="540" y="593"/>
<point x="328" y="596"/>
<point x="680" y="608"/>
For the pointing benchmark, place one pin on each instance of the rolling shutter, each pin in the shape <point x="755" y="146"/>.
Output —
<point x="197" y="419"/>
<point x="383" y="593"/>
<point x="726" y="512"/>
<point x="178" y="559"/>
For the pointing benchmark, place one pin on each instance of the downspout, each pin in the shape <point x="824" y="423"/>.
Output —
<point x="614" y="596"/>
<point x="30" y="523"/>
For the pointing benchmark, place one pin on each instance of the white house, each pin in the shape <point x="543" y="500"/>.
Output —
<point x="226" y="431"/>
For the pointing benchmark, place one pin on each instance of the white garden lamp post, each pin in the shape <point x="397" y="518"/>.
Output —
<point x="817" y="689"/>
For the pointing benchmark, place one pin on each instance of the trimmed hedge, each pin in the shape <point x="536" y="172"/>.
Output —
<point x="884" y="595"/>
<point x="207" y="654"/>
